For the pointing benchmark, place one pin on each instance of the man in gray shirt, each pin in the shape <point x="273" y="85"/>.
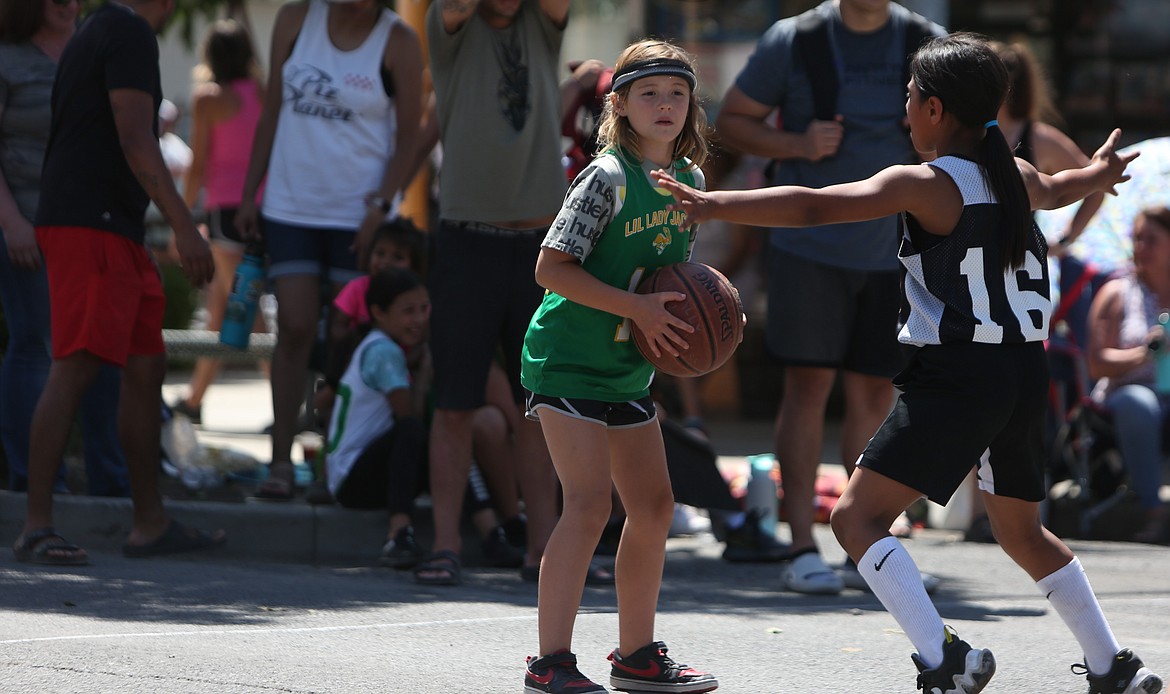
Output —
<point x="833" y="292"/>
<point x="494" y="66"/>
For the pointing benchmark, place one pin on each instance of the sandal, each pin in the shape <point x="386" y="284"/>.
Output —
<point x="597" y="575"/>
<point x="176" y="538"/>
<point x="277" y="487"/>
<point x="440" y="569"/>
<point x="401" y="551"/>
<point x="807" y="573"/>
<point x="46" y="546"/>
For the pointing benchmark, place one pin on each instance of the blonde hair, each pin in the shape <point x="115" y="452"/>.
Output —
<point x="615" y="132"/>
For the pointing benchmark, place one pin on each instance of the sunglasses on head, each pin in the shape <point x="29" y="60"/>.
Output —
<point x="63" y="3"/>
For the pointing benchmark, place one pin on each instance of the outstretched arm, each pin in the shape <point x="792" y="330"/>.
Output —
<point x="890" y="191"/>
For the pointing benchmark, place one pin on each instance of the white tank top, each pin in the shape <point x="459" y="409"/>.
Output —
<point x="336" y="129"/>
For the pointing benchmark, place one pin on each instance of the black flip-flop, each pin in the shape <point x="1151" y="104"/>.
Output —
<point x="597" y="575"/>
<point x="175" y="539"/>
<point x="442" y="562"/>
<point x="37" y="548"/>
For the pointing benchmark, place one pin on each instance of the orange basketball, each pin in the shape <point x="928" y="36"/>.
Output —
<point x="712" y="307"/>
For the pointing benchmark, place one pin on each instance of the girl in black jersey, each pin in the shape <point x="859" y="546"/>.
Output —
<point x="973" y="391"/>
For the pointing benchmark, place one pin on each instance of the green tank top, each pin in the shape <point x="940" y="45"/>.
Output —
<point x="574" y="351"/>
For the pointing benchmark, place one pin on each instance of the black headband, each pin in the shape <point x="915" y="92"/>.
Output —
<point x="654" y="66"/>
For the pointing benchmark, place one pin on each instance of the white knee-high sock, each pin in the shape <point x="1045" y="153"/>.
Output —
<point x="895" y="580"/>
<point x="1069" y="592"/>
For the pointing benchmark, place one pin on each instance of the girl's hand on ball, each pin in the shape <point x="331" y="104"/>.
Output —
<point x="660" y="326"/>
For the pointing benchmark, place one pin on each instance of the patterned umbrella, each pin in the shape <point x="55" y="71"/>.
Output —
<point x="1106" y="241"/>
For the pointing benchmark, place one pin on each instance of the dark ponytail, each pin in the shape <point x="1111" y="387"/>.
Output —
<point x="971" y="82"/>
<point x="1008" y="184"/>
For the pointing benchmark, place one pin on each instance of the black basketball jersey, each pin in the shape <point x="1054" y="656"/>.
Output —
<point x="955" y="289"/>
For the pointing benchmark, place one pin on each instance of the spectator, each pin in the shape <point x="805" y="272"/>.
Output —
<point x="336" y="138"/>
<point x="977" y="309"/>
<point x="494" y="65"/>
<point x="1036" y="141"/>
<point x="1124" y="337"/>
<point x="398" y="244"/>
<point x="32" y="37"/>
<point x="225" y="109"/>
<point x="847" y="272"/>
<point x="104" y="120"/>
<point x="376" y="433"/>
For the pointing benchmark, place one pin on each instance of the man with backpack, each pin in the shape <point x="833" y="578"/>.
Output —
<point x="837" y="74"/>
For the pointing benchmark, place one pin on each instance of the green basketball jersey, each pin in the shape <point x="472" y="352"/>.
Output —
<point x="616" y="220"/>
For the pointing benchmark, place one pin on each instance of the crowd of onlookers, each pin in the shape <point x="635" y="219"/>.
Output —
<point x="411" y="336"/>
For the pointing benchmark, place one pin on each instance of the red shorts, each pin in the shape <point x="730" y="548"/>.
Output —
<point x="105" y="294"/>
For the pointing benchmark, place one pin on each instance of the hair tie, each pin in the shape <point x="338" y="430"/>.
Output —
<point x="991" y="123"/>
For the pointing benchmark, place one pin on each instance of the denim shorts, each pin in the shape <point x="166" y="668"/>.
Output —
<point x="302" y="250"/>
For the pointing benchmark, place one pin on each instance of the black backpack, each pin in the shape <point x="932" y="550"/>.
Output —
<point x="813" y="45"/>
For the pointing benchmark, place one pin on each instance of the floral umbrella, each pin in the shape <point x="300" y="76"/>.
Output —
<point x="1106" y="240"/>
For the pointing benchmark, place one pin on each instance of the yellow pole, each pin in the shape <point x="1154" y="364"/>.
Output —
<point x="416" y="196"/>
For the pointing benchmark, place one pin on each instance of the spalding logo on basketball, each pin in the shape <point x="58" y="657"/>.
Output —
<point x="712" y="307"/>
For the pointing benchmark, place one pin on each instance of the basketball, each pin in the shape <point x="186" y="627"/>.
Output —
<point x="712" y="307"/>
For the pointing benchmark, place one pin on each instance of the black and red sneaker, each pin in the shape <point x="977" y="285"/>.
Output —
<point x="649" y="669"/>
<point x="558" y="674"/>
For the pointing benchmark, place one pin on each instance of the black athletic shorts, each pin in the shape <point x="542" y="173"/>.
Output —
<point x="612" y="415"/>
<point x="964" y="405"/>
<point x="830" y="317"/>
<point x="483" y="294"/>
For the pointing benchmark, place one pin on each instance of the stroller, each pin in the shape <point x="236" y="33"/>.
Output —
<point x="1087" y="480"/>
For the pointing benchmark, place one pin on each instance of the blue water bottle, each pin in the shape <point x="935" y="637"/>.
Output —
<point x="1162" y="357"/>
<point x="762" y="492"/>
<point x="247" y="286"/>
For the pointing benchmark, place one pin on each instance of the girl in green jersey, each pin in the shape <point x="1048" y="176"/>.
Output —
<point x="589" y="386"/>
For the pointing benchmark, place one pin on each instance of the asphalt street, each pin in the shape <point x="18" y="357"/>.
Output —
<point x="210" y="624"/>
<point x="316" y="616"/>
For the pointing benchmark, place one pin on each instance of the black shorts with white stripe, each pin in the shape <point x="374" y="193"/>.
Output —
<point x="613" y="415"/>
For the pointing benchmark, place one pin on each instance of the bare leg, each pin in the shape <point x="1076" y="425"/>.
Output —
<point x="450" y="462"/>
<point x="67" y="382"/>
<point x="868" y="400"/>
<point x="863" y="514"/>
<point x="639" y="471"/>
<point x="139" y="426"/>
<point x="1018" y="530"/>
<point x="298" y="308"/>
<point x="496" y="457"/>
<point x="800" y="428"/>
<point x="580" y="453"/>
<point x="538" y="485"/>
